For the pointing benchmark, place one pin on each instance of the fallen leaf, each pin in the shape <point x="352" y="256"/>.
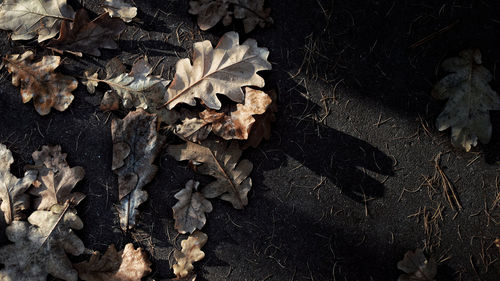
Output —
<point x="417" y="267"/>
<point x="85" y="36"/>
<point x="125" y="265"/>
<point x="41" y="245"/>
<point x="135" y="146"/>
<point x="190" y="252"/>
<point x="470" y="99"/>
<point x="120" y="9"/>
<point x="38" y="81"/>
<point x="261" y="129"/>
<point x="223" y="70"/>
<point x="12" y="189"/>
<point x="210" y="12"/>
<point x="189" y="212"/>
<point x="55" y="178"/>
<point x="220" y="160"/>
<point x="252" y="13"/>
<point x="192" y="127"/>
<point x="29" y="18"/>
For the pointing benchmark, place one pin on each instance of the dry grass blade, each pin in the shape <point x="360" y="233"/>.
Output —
<point x="448" y="189"/>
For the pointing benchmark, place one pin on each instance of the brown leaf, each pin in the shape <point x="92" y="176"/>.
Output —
<point x="261" y="129"/>
<point x="189" y="212"/>
<point x="210" y="12"/>
<point x="38" y="81"/>
<point x="252" y="13"/>
<point x="55" y="178"/>
<point x="190" y="252"/>
<point x="417" y="267"/>
<point x="220" y="160"/>
<point x="118" y="8"/>
<point x="125" y="265"/>
<point x="84" y="36"/>
<point x="135" y="146"/>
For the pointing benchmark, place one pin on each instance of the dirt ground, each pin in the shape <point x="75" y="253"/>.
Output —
<point x="345" y="185"/>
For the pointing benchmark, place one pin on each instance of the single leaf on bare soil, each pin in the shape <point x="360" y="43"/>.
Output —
<point x="40" y="246"/>
<point x="40" y="83"/>
<point x="189" y="212"/>
<point x="85" y="36"/>
<point x="191" y="252"/>
<point x="135" y="146"/>
<point x="29" y="18"/>
<point x="261" y="129"/>
<point x="470" y="98"/>
<point x="56" y="179"/>
<point x="219" y="159"/>
<point x="417" y="267"/>
<point x="125" y="265"/>
<point x="120" y="9"/>
<point x="12" y="189"/>
<point x="223" y="70"/>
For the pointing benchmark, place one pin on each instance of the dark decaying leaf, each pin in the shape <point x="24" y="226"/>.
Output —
<point x="417" y="267"/>
<point x="189" y="211"/>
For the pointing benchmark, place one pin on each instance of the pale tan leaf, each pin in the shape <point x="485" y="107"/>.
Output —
<point x="223" y="70"/>
<point x="135" y="146"/>
<point x="220" y="160"/>
<point x="189" y="212"/>
<point x="417" y="267"/>
<point x="261" y="129"/>
<point x="12" y="189"/>
<point x="56" y="179"/>
<point x="470" y="98"/>
<point x="40" y="83"/>
<point x="120" y="9"/>
<point x="29" y="18"/>
<point x="191" y="252"/>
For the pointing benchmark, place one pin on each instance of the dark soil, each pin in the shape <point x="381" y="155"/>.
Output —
<point x="339" y="191"/>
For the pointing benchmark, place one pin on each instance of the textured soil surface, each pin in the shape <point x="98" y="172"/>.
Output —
<point x="339" y="191"/>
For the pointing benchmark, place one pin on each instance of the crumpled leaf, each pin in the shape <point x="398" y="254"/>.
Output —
<point x="220" y="160"/>
<point x="137" y="89"/>
<point x="125" y="265"/>
<point x="29" y="18"/>
<point x="41" y="245"/>
<point x="417" y="267"/>
<point x="40" y="83"/>
<point x="12" y="189"/>
<point x="120" y="9"/>
<point x="135" y="146"/>
<point x="261" y="129"/>
<point x="190" y="252"/>
<point x="223" y="70"/>
<point x="55" y="179"/>
<point x="85" y="36"/>
<point x="189" y="212"/>
<point x="470" y="98"/>
<point x="252" y="13"/>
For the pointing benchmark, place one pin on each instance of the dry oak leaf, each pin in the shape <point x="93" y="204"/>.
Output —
<point x="135" y="146"/>
<point x="56" y="179"/>
<point x="210" y="12"/>
<point x="85" y="36"/>
<point x="252" y="13"/>
<point x="223" y="70"/>
<point x="189" y="212"/>
<point x="190" y="252"/>
<point x="261" y="129"/>
<point x="40" y="83"/>
<point x="470" y="98"/>
<point x="41" y="245"/>
<point x="120" y="9"/>
<point x="12" y="189"/>
<point x="29" y="18"/>
<point x="126" y="265"/>
<point x="219" y="159"/>
<point x="417" y="267"/>
<point x="137" y="89"/>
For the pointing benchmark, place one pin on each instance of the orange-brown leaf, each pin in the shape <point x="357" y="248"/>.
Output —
<point x="261" y="129"/>
<point x="190" y="252"/>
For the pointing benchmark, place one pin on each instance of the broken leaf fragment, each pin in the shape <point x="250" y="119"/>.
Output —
<point x="12" y="189"/>
<point x="39" y="82"/>
<point x="189" y="211"/>
<point x="120" y="9"/>
<point x="191" y="252"/>
<point x="470" y="98"/>
<point x="126" y="265"/>
<point x="417" y="267"/>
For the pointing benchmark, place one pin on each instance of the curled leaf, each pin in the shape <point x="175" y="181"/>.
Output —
<point x="261" y="129"/>
<point x="191" y="252"/>
<point x="417" y="267"/>
<point x="120" y="9"/>
<point x="189" y="212"/>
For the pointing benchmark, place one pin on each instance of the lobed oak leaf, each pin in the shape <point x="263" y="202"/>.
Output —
<point x="261" y="129"/>
<point x="417" y="267"/>
<point x="252" y="13"/>
<point x="29" y="18"/>
<point x="219" y="159"/>
<point x="85" y="36"/>
<point x="210" y="12"/>
<point x="40" y="246"/>
<point x="118" y="8"/>
<point x="135" y="146"/>
<point x="190" y="252"/>
<point x="223" y="70"/>
<point x="40" y="83"/>
<point x="56" y="179"/>
<point x="470" y="98"/>
<point x="125" y="265"/>
<point x="189" y="212"/>
<point x="12" y="189"/>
